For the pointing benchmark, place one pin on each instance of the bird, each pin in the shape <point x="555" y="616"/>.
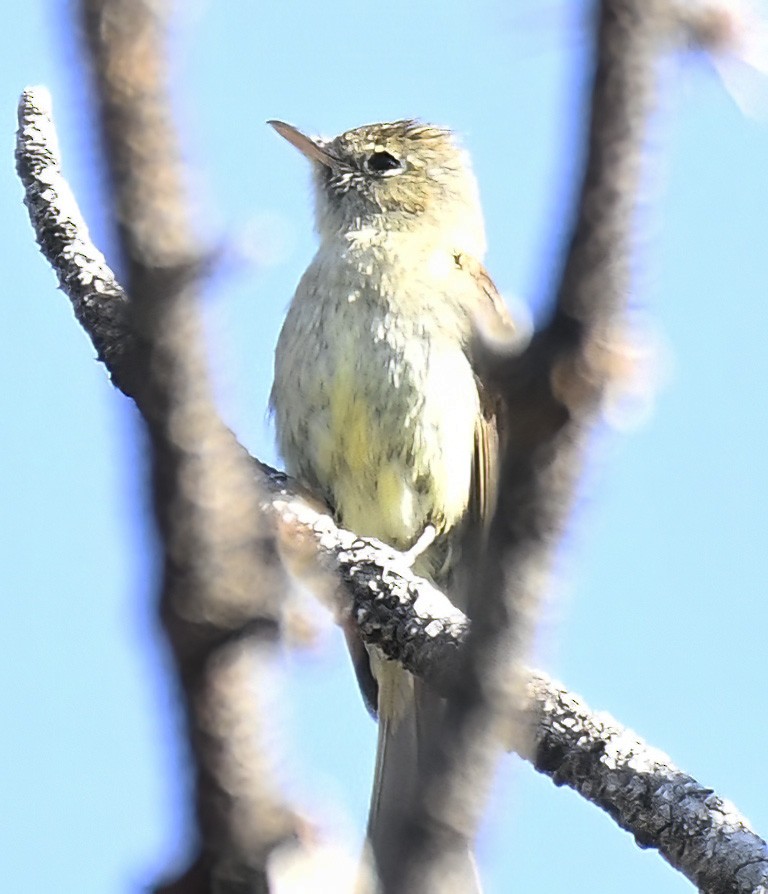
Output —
<point x="377" y="403"/>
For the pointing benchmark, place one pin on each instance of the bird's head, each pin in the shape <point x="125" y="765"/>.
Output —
<point x="402" y="176"/>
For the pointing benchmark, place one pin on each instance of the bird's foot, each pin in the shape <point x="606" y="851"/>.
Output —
<point x="426" y="539"/>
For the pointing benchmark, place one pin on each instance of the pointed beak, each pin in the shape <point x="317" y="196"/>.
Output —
<point x="311" y="149"/>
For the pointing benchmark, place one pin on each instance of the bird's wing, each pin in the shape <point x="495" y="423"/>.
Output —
<point x="490" y="309"/>
<point x="490" y="315"/>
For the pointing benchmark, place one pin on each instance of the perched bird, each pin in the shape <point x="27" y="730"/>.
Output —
<point x="376" y="402"/>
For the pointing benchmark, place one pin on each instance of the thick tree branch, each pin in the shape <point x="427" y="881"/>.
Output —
<point x="220" y="596"/>
<point x="552" y="391"/>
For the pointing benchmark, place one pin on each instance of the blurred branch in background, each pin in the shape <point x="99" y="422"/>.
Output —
<point x="552" y="392"/>
<point x="223" y="588"/>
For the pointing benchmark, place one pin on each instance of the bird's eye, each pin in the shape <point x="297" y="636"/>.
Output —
<point x="383" y="163"/>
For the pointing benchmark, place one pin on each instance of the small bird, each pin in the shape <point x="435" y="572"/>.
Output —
<point x="376" y="402"/>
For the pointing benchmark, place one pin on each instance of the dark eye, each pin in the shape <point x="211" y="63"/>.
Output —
<point x="382" y="163"/>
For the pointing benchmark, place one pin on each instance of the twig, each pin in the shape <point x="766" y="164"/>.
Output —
<point x="97" y="298"/>
<point x="697" y="832"/>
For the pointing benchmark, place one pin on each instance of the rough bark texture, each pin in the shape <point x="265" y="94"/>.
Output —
<point x="697" y="832"/>
<point x="97" y="299"/>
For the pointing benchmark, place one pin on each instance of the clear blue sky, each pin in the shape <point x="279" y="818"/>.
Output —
<point x="659" y="612"/>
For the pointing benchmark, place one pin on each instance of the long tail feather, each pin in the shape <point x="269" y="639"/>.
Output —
<point x="409" y="713"/>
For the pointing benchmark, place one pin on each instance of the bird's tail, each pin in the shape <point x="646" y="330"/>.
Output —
<point x="409" y="713"/>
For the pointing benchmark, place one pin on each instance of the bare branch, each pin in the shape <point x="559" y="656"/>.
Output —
<point x="697" y="832"/>
<point x="366" y="580"/>
<point x="552" y="391"/>
<point x="221" y="580"/>
<point x="97" y="298"/>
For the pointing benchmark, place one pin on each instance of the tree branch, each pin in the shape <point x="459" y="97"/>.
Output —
<point x="697" y="832"/>
<point x="552" y="391"/>
<point x="220" y="596"/>
<point x="97" y="298"/>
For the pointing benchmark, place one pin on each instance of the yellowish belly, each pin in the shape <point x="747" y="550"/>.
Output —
<point x="375" y="401"/>
<point x="405" y="461"/>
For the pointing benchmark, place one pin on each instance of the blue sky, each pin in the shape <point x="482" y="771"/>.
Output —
<point x="658" y="612"/>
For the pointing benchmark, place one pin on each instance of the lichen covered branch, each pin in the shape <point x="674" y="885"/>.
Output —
<point x="84" y="276"/>
<point x="696" y="831"/>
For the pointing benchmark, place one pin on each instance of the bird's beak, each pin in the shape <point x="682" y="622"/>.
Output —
<point x="311" y="149"/>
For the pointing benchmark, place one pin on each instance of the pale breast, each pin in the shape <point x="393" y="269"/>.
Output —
<point x="375" y="401"/>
